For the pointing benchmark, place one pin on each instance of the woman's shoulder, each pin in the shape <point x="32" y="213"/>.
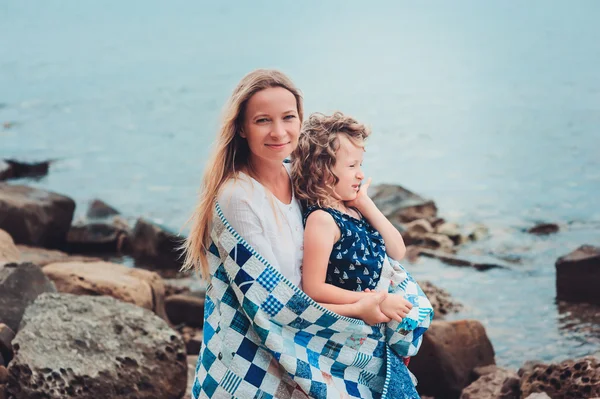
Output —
<point x="240" y="188"/>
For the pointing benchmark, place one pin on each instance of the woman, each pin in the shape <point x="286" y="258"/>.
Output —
<point x="263" y="337"/>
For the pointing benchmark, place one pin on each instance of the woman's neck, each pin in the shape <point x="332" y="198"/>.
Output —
<point x="269" y="174"/>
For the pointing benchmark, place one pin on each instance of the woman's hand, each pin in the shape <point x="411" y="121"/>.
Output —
<point x="367" y="308"/>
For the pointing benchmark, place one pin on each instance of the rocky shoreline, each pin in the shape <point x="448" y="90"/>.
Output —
<point x="76" y="323"/>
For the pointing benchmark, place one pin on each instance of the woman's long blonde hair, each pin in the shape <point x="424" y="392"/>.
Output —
<point x="314" y="158"/>
<point x="230" y="155"/>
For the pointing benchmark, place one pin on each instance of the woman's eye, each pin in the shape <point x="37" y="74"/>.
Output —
<point x="261" y="120"/>
<point x="287" y="117"/>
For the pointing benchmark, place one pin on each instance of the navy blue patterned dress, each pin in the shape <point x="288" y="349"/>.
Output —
<point x="355" y="264"/>
<point x="357" y="258"/>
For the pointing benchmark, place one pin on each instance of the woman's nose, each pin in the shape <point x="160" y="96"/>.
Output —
<point x="278" y="130"/>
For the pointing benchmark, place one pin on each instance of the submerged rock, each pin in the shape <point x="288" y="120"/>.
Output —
<point x="578" y="275"/>
<point x="95" y="347"/>
<point x="544" y="229"/>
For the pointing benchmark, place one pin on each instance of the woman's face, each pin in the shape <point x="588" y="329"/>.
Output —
<point x="271" y="125"/>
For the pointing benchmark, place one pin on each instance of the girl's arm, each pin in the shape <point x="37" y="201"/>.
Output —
<point x="394" y="244"/>
<point x="320" y="234"/>
<point x="366" y="309"/>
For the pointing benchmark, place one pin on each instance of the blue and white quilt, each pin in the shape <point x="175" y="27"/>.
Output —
<point x="265" y="338"/>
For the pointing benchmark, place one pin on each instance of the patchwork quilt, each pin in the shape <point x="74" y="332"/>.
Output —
<point x="265" y="338"/>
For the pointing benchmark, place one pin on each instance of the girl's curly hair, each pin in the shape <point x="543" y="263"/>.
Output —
<point x="314" y="158"/>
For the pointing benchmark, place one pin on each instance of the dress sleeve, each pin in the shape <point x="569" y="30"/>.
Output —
<point x="238" y="208"/>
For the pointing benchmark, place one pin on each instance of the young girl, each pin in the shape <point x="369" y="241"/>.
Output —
<point x="346" y="237"/>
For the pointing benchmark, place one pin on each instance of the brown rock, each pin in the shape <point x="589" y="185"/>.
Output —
<point x="8" y="251"/>
<point x="185" y="309"/>
<point x="544" y="229"/>
<point x="35" y="217"/>
<point x="456" y="261"/>
<point x="191" y="362"/>
<point x="157" y="245"/>
<point x="497" y="384"/>
<point x="42" y="257"/>
<point x="3" y="375"/>
<point x="440" y="299"/>
<point x="20" y="285"/>
<point x="140" y="287"/>
<point x="28" y="169"/>
<point x="578" y="275"/>
<point x="402" y="205"/>
<point x="571" y="379"/>
<point x="449" y="354"/>
<point x="193" y="339"/>
<point x="99" y="210"/>
<point x="419" y="226"/>
<point x="97" y="238"/>
<point x="6" y="350"/>
<point x="6" y="171"/>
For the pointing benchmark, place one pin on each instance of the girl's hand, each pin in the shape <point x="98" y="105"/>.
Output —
<point x="361" y="198"/>
<point x="367" y="308"/>
<point x="395" y="307"/>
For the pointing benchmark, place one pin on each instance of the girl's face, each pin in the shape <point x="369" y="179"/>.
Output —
<point x="347" y="168"/>
<point x="271" y="125"/>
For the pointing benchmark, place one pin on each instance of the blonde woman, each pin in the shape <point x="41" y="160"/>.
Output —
<point x="253" y="316"/>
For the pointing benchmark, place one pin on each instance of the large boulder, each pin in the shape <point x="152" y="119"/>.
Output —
<point x="95" y="347"/>
<point x="571" y="379"/>
<point x="6" y="337"/>
<point x="494" y="383"/>
<point x="578" y="275"/>
<point x="401" y="205"/>
<point x="35" y="217"/>
<point x="449" y="354"/>
<point x="156" y="245"/>
<point x="140" y="287"/>
<point x="8" y="250"/>
<point x="20" y="284"/>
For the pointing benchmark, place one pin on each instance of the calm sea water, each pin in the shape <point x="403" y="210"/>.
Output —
<point x="492" y="109"/>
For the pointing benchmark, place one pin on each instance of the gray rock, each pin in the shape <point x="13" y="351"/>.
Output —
<point x="20" y="284"/>
<point x="95" y="347"/>
<point x="578" y="275"/>
<point x="35" y="217"/>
